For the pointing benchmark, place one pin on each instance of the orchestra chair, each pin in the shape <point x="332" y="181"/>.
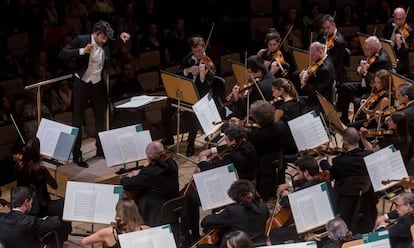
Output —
<point x="353" y="243"/>
<point x="268" y="175"/>
<point x="50" y="240"/>
<point x="174" y="212"/>
<point x="355" y="186"/>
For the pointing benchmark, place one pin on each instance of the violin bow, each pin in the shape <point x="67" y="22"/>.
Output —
<point x="286" y="35"/>
<point x="209" y="36"/>
<point x="17" y="128"/>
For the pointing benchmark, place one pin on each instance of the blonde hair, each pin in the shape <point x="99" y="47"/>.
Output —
<point x="128" y="214"/>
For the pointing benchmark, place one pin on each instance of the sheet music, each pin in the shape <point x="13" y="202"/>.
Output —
<point x="139" y="101"/>
<point x="308" y="131"/>
<point x="155" y="237"/>
<point x="91" y="202"/>
<point x="311" y="207"/>
<point x="206" y="112"/>
<point x="212" y="186"/>
<point x="49" y="134"/>
<point x="378" y="239"/>
<point x="125" y="144"/>
<point x="309" y="244"/>
<point x="385" y="164"/>
<point x="128" y="147"/>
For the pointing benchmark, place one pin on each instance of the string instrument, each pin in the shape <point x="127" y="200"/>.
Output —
<point x="402" y="30"/>
<point x="312" y="69"/>
<point x="212" y="238"/>
<point x="370" y="100"/>
<point x="234" y="121"/>
<point x="209" y="64"/>
<point x="278" y="219"/>
<point x="278" y="58"/>
<point x="324" y="176"/>
<point x="5" y="203"/>
<point x="374" y="132"/>
<point x="404" y="182"/>
<point x="330" y="41"/>
<point x="322" y="150"/>
<point x="386" y="113"/>
<point x="241" y="90"/>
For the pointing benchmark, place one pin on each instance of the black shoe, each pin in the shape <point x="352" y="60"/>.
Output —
<point x="80" y="162"/>
<point x="190" y="150"/>
<point x="167" y="141"/>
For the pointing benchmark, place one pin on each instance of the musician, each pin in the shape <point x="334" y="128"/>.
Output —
<point x="289" y="107"/>
<point x="261" y="90"/>
<point x="127" y="220"/>
<point x="346" y="165"/>
<point x="308" y="170"/>
<point x="31" y="173"/>
<point x="18" y="228"/>
<point x="192" y="66"/>
<point x="319" y="76"/>
<point x="380" y="99"/>
<point x="397" y="134"/>
<point x="377" y="58"/>
<point x="400" y="33"/>
<point x="399" y="232"/>
<point x="338" y="233"/>
<point x="238" y="151"/>
<point x="156" y="183"/>
<point x="335" y="45"/>
<point x="239" y="239"/>
<point x="405" y="95"/>
<point x="272" y="55"/>
<point x="246" y="214"/>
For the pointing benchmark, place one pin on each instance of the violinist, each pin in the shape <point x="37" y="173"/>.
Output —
<point x="193" y="67"/>
<point x="397" y="134"/>
<point x="319" y="76"/>
<point x="405" y="95"/>
<point x="290" y="106"/>
<point x="307" y="171"/>
<point x="262" y="88"/>
<point x="376" y="59"/>
<point x="380" y="99"/>
<point x="272" y="55"/>
<point x="246" y="215"/>
<point x="335" y="45"/>
<point x="344" y="167"/>
<point x="400" y="33"/>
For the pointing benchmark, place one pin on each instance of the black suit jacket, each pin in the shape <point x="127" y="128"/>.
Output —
<point x="156" y="184"/>
<point x="399" y="233"/>
<point x="249" y="219"/>
<point x="403" y="66"/>
<point x="21" y="230"/>
<point x="409" y="113"/>
<point x="243" y="158"/>
<point x="72" y="50"/>
<point x="322" y="80"/>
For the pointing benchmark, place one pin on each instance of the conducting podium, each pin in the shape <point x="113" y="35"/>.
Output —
<point x="185" y="92"/>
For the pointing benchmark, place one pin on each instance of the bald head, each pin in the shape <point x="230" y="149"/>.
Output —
<point x="399" y="16"/>
<point x="317" y="51"/>
<point x="350" y="138"/>
<point x="155" y="151"/>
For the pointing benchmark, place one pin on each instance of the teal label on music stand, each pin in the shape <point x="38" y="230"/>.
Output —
<point x="231" y="168"/>
<point x="209" y="97"/>
<point x="119" y="190"/>
<point x="167" y="226"/>
<point x="139" y="128"/>
<point x="74" y="131"/>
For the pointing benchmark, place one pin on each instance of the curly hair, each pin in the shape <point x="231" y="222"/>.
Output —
<point x="239" y="190"/>
<point x="263" y="112"/>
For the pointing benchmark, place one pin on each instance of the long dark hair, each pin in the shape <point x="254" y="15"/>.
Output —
<point x="400" y="119"/>
<point x="30" y="160"/>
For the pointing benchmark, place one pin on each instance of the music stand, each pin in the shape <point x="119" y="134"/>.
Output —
<point x="386" y="44"/>
<point x="240" y="72"/>
<point x="301" y="58"/>
<point x="185" y="92"/>
<point x="331" y="114"/>
<point x="398" y="79"/>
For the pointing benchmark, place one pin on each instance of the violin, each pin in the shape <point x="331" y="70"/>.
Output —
<point x="241" y="89"/>
<point x="371" y="100"/>
<point x="393" y="109"/>
<point x="405" y="182"/>
<point x="312" y="69"/>
<point x="212" y="237"/>
<point x="188" y="188"/>
<point x="372" y="58"/>
<point x="209" y="64"/>
<point x="234" y="121"/>
<point x="330" y="41"/>
<point x="279" y="57"/>
<point x="330" y="150"/>
<point x="324" y="176"/>
<point x="374" y="132"/>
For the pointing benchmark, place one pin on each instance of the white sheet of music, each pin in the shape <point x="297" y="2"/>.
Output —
<point x="49" y="133"/>
<point x="308" y="131"/>
<point x="311" y="207"/>
<point x="206" y="112"/>
<point x="128" y="146"/>
<point x="155" y="237"/>
<point x="142" y="100"/>
<point x="385" y="164"/>
<point x="125" y="144"/>
<point x="375" y="240"/>
<point x="212" y="186"/>
<point x="309" y="244"/>
<point x="91" y="202"/>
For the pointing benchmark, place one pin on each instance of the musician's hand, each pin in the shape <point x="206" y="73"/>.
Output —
<point x="381" y="221"/>
<point x="202" y="70"/>
<point x="133" y="173"/>
<point x="266" y="63"/>
<point x="282" y="187"/>
<point x="124" y="37"/>
<point x="284" y="192"/>
<point x="205" y="154"/>
<point x="193" y="70"/>
<point x="235" y="92"/>
<point x="398" y="40"/>
<point x="88" y="48"/>
<point x="304" y="76"/>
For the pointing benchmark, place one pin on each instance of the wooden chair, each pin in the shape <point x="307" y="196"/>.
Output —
<point x="353" y="243"/>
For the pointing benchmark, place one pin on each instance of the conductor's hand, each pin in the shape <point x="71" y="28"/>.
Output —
<point x="88" y="48"/>
<point x="124" y="37"/>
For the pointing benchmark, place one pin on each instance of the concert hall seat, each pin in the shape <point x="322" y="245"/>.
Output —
<point x="174" y="212"/>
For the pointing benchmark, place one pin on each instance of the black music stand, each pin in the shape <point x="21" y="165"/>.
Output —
<point x="386" y="44"/>
<point x="399" y="79"/>
<point x="240" y="72"/>
<point x="332" y="116"/>
<point x="185" y="92"/>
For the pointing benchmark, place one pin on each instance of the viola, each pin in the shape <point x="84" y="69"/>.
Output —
<point x="380" y="132"/>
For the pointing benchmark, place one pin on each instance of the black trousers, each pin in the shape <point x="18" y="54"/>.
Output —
<point x="82" y="93"/>
<point x="347" y="92"/>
